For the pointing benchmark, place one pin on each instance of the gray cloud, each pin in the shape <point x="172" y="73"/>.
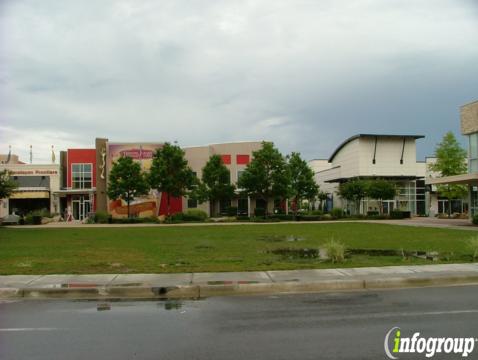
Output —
<point x="305" y="74"/>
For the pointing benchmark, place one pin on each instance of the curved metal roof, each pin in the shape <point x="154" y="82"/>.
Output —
<point x="352" y="138"/>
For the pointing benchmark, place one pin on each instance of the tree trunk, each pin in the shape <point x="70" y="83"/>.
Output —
<point x="168" y="212"/>
<point x="295" y="208"/>
<point x="449" y="203"/>
<point x="266" y="210"/>
<point x="127" y="203"/>
<point x="212" y="207"/>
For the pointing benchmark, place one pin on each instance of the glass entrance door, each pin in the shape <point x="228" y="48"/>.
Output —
<point x="388" y="206"/>
<point x="81" y="207"/>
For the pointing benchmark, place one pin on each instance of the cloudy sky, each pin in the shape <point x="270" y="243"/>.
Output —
<point x="304" y="74"/>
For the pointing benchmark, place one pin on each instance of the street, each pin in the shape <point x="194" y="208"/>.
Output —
<point x="341" y="325"/>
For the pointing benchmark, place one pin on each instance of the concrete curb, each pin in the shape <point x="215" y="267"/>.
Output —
<point x="206" y="290"/>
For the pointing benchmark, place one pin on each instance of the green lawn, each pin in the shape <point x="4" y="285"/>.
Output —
<point x="212" y="248"/>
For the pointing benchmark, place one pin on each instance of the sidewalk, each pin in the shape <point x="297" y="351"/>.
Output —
<point x="202" y="285"/>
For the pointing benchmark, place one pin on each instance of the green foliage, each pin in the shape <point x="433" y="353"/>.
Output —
<point x="283" y="217"/>
<point x="7" y="185"/>
<point x="242" y="218"/>
<point x="397" y="214"/>
<point x="452" y="191"/>
<point x="170" y="173"/>
<point x="337" y="213"/>
<point x="451" y="157"/>
<point x="473" y="244"/>
<point x="267" y="175"/>
<point x="451" y="160"/>
<point x="381" y="189"/>
<point x="335" y="251"/>
<point x="102" y="217"/>
<point x="195" y="215"/>
<point x="232" y="211"/>
<point x="216" y="183"/>
<point x="316" y="212"/>
<point x="310" y="217"/>
<point x="354" y="191"/>
<point x="475" y="219"/>
<point x="136" y="220"/>
<point x="189" y="215"/>
<point x="302" y="183"/>
<point x="126" y="181"/>
<point x="259" y="212"/>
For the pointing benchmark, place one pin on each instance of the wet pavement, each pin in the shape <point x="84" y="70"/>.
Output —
<point x="340" y="325"/>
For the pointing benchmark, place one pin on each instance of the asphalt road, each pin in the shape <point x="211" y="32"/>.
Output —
<point x="346" y="325"/>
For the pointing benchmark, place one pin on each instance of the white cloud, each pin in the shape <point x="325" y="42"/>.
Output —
<point x="304" y="74"/>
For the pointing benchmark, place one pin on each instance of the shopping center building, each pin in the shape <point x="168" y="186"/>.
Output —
<point x="87" y="170"/>
<point x="469" y="128"/>
<point x="37" y="187"/>
<point x="375" y="156"/>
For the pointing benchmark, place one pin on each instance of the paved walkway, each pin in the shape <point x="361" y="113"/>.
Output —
<point x="459" y="224"/>
<point x="230" y="283"/>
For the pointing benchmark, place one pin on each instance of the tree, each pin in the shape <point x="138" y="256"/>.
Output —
<point x="450" y="160"/>
<point x="7" y="185"/>
<point x="267" y="175"/>
<point x="381" y="190"/>
<point x="322" y="196"/>
<point x="170" y="173"/>
<point x="126" y="181"/>
<point x="302" y="182"/>
<point x="216" y="182"/>
<point x="354" y="191"/>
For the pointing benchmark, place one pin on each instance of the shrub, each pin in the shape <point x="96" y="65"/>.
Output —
<point x="372" y="213"/>
<point x="283" y="217"/>
<point x="397" y="214"/>
<point x="242" y="218"/>
<point x="133" y="220"/>
<point x="263" y="219"/>
<point x="195" y="215"/>
<point x="337" y="213"/>
<point x="309" y="217"/>
<point x="101" y="217"/>
<point x="232" y="211"/>
<point x="475" y="219"/>
<point x="377" y="217"/>
<point x="473" y="244"/>
<point x="259" y="211"/>
<point x="335" y="251"/>
<point x="326" y="217"/>
<point x="316" y="212"/>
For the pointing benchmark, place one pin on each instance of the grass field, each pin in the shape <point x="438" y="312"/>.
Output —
<point x="213" y="248"/>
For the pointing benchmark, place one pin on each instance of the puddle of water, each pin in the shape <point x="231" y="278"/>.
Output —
<point x="292" y="253"/>
<point x="171" y="304"/>
<point x="103" y="307"/>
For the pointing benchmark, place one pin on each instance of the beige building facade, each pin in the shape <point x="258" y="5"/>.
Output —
<point x="375" y="156"/>
<point x="37" y="185"/>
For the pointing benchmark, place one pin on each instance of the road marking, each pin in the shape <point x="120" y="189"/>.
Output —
<point x="29" y="329"/>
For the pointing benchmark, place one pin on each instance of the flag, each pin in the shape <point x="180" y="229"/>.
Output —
<point x="53" y="158"/>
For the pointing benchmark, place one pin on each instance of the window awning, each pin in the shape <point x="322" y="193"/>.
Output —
<point x="30" y="195"/>
<point x="464" y="179"/>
